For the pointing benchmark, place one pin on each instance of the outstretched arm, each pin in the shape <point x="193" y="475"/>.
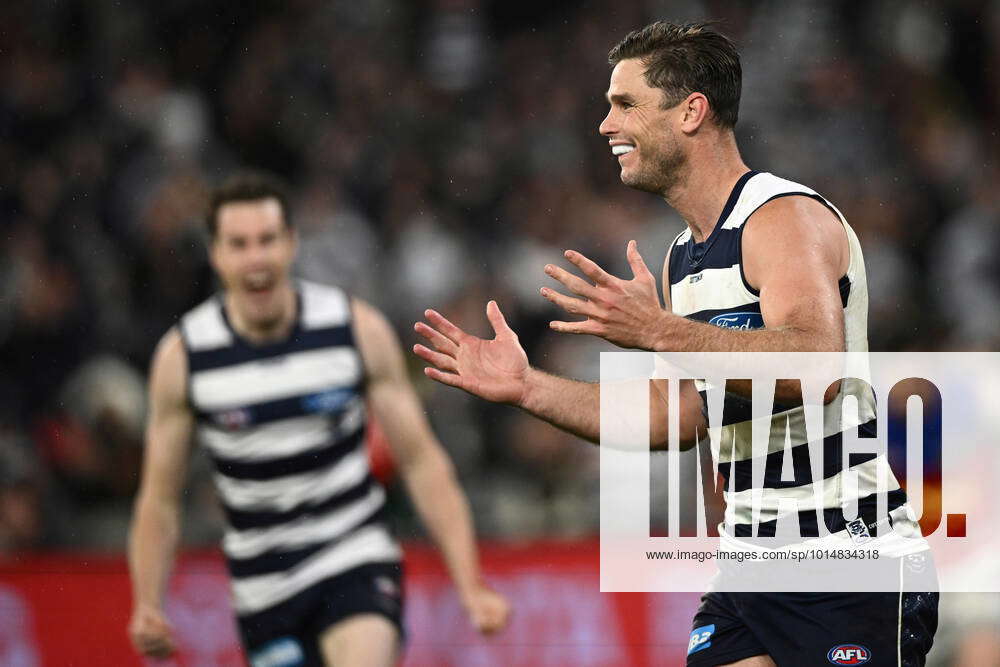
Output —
<point x="427" y="472"/>
<point x="498" y="371"/>
<point x="156" y="518"/>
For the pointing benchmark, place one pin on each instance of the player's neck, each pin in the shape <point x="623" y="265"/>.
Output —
<point x="701" y="194"/>
<point x="258" y="333"/>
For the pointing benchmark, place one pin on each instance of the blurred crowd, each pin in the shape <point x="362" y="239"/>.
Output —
<point x="440" y="153"/>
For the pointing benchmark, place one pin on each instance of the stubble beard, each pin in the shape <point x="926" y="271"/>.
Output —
<point x="660" y="172"/>
<point x="266" y="318"/>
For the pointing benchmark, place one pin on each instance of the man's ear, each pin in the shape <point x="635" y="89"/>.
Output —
<point x="694" y="109"/>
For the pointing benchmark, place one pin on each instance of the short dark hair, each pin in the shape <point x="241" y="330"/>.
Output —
<point x="247" y="185"/>
<point x="684" y="59"/>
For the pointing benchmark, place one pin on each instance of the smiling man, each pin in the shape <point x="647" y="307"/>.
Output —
<point x="274" y="376"/>
<point x="765" y="265"/>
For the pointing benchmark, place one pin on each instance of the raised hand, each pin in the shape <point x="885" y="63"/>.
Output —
<point x="492" y="369"/>
<point x="624" y="312"/>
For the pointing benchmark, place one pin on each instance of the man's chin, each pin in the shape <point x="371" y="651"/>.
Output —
<point x="261" y="312"/>
<point x="264" y="321"/>
<point x="636" y="182"/>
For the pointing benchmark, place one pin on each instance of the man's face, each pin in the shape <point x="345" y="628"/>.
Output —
<point x="252" y="252"/>
<point x="640" y="131"/>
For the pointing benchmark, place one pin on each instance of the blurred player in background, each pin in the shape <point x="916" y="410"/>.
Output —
<point x="774" y="267"/>
<point x="273" y="375"/>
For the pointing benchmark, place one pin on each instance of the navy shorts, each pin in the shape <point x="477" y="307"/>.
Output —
<point x="822" y="629"/>
<point x="288" y="633"/>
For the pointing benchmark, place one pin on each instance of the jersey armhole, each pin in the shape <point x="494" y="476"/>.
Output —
<point x="739" y="243"/>
<point x="188" y="384"/>
<point x="666" y="270"/>
<point x="667" y="301"/>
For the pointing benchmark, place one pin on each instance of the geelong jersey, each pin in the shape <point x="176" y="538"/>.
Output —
<point x="707" y="283"/>
<point x="283" y="424"/>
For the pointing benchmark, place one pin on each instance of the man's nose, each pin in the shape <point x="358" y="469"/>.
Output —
<point x="609" y="125"/>
<point x="257" y="254"/>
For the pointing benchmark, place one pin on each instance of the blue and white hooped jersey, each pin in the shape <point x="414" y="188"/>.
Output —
<point x="284" y="426"/>
<point x="708" y="284"/>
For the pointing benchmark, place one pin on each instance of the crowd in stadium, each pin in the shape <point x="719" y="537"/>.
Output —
<point x="440" y="155"/>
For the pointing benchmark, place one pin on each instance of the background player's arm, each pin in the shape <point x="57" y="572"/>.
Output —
<point x="426" y="469"/>
<point x="498" y="371"/>
<point x="156" y="519"/>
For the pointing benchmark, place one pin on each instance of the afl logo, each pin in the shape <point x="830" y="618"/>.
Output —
<point x="849" y="654"/>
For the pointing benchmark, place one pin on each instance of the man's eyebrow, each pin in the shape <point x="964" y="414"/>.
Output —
<point x="617" y="97"/>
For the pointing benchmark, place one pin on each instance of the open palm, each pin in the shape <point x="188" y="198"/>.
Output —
<point x="491" y="369"/>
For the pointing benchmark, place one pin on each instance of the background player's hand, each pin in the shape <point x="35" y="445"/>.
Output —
<point x="492" y="369"/>
<point x="624" y="312"/>
<point x="488" y="610"/>
<point x="150" y="632"/>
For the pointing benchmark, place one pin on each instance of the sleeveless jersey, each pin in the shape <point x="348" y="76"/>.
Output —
<point x="708" y="284"/>
<point x="284" y="425"/>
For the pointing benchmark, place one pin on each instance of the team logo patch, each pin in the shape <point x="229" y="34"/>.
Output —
<point x="329" y="401"/>
<point x="859" y="531"/>
<point x="849" y="654"/>
<point x="700" y="638"/>
<point x="386" y="586"/>
<point x="233" y="420"/>
<point x="284" y="652"/>
<point x="744" y="321"/>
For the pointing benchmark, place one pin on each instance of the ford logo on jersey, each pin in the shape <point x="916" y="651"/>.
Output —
<point x="743" y="321"/>
<point x="849" y="654"/>
<point x="329" y="401"/>
<point x="700" y="638"/>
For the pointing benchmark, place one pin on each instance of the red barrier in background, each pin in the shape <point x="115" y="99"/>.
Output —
<point x="65" y="610"/>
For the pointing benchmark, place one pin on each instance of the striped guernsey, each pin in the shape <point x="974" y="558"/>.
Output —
<point x="708" y="284"/>
<point x="284" y="425"/>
